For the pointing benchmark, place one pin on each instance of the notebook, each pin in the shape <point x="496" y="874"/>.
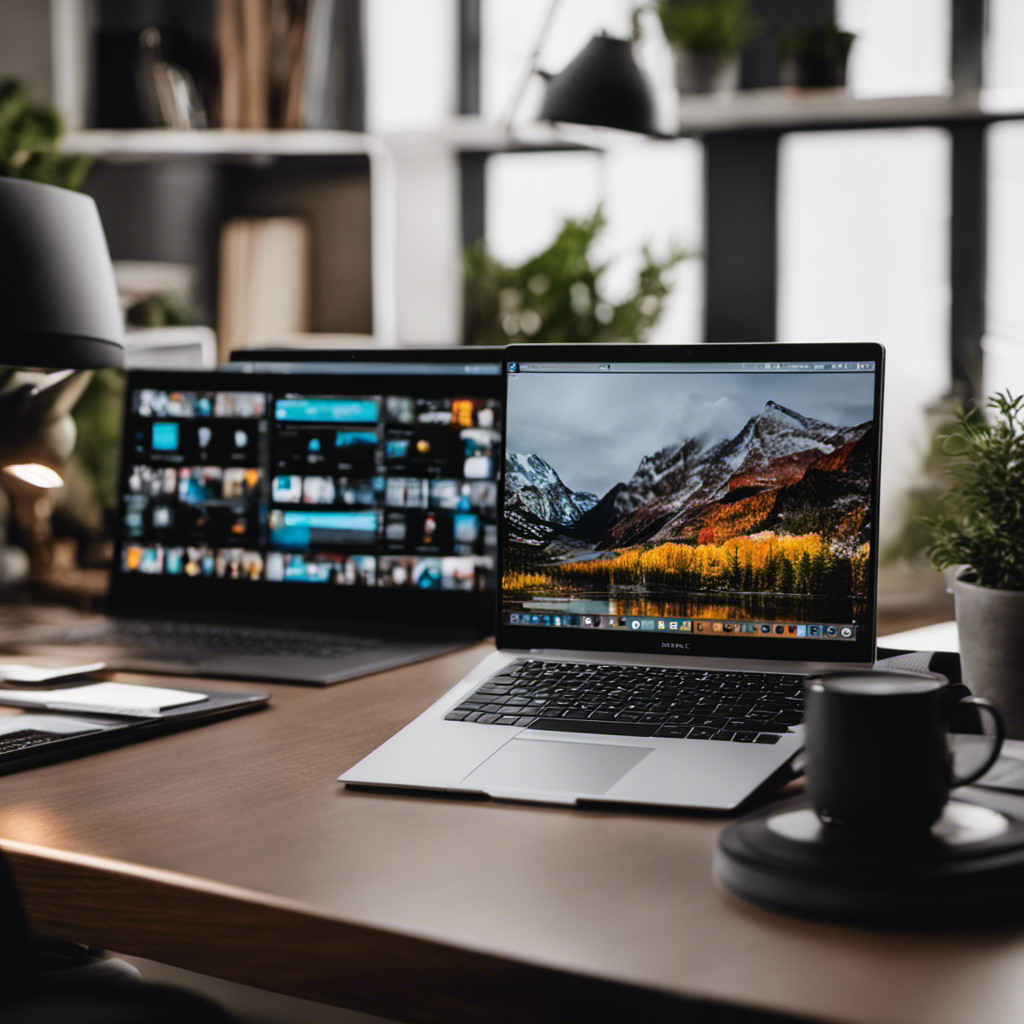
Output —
<point x="304" y="523"/>
<point x="685" y="535"/>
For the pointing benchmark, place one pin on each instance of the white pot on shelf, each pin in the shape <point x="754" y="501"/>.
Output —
<point x="706" y="73"/>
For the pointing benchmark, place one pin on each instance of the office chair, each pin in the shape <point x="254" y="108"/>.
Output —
<point x="31" y="996"/>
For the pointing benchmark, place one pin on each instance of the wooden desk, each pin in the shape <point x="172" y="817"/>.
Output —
<point x="230" y="849"/>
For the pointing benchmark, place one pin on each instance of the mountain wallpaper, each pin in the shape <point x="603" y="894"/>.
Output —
<point x="771" y="521"/>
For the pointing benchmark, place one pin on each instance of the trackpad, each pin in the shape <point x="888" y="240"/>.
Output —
<point x="554" y="767"/>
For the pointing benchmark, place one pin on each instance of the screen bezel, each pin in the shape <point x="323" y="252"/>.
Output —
<point x="294" y="602"/>
<point x="859" y="650"/>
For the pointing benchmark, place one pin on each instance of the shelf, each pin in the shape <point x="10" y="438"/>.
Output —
<point x="461" y="134"/>
<point x="217" y="143"/>
<point x="769" y="110"/>
<point x="781" y="110"/>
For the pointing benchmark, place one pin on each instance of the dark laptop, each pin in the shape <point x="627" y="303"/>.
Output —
<point x="304" y="523"/>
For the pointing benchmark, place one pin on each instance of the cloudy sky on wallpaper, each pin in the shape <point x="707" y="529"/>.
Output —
<point x="594" y="429"/>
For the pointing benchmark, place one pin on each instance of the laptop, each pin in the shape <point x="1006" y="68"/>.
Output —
<point x="685" y="535"/>
<point x="304" y="524"/>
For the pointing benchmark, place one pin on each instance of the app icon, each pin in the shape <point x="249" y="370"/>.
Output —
<point x="727" y="627"/>
<point x="610" y="620"/>
<point x="791" y="628"/>
<point x="557" y="620"/>
<point x="588" y="620"/>
<point x="547" y="620"/>
<point x="622" y="621"/>
<point x="512" y="367"/>
<point x="716" y="627"/>
<point x="831" y="631"/>
<point x="513" y="617"/>
<point x="846" y="631"/>
<point x="686" y="625"/>
<point x="699" y="627"/>
<point x="635" y="624"/>
<point x="647" y="623"/>
<point x="801" y="630"/>
<point x="661" y="623"/>
<point x="572" y="620"/>
<point x="765" y="628"/>
<point x="673" y="624"/>
<point x="815" y="630"/>
<point x="780" y="629"/>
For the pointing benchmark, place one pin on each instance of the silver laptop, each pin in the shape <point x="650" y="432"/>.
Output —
<point x="685" y="535"/>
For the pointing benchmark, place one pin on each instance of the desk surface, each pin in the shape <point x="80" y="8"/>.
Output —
<point x="230" y="849"/>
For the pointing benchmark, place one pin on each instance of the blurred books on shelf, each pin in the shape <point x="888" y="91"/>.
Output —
<point x="171" y="348"/>
<point x="277" y="63"/>
<point x="264" y="291"/>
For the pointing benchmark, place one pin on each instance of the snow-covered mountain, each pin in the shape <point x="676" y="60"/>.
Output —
<point x="532" y="485"/>
<point x="691" y="491"/>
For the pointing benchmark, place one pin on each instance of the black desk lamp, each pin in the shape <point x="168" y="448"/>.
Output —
<point x="601" y="86"/>
<point x="58" y="310"/>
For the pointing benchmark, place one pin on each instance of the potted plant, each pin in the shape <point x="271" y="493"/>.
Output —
<point x="707" y="36"/>
<point x="559" y="295"/>
<point x="980" y="538"/>
<point x="815" y="57"/>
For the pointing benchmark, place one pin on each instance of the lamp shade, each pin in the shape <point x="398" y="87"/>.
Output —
<point x="602" y="86"/>
<point x="58" y="300"/>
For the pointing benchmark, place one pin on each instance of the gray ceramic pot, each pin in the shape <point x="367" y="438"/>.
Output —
<point x="706" y="73"/>
<point x="991" y="627"/>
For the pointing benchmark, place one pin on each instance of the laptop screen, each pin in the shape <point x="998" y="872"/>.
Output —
<point x="367" y="491"/>
<point x="716" y="500"/>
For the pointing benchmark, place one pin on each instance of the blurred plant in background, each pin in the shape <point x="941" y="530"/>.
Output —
<point x="559" y="295"/>
<point x="29" y="138"/>
<point x="707" y="26"/>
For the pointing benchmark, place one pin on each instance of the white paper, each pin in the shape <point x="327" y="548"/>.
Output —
<point x="106" y="696"/>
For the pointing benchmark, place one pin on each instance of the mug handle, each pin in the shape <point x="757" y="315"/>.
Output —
<point x="982" y="705"/>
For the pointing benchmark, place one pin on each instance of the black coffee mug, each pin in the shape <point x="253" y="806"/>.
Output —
<point x="879" y="756"/>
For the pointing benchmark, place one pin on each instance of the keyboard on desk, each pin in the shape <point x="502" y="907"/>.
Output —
<point x="636" y="700"/>
<point x="25" y="738"/>
<point x="214" y="638"/>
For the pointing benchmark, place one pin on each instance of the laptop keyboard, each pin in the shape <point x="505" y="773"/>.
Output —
<point x="209" y="638"/>
<point x="12" y="741"/>
<point x="632" y="700"/>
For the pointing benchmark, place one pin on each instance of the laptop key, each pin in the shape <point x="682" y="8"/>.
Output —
<point x="743" y="737"/>
<point x="701" y="734"/>
<point x="767" y="737"/>
<point x="605" y="728"/>
<point x="742" y="725"/>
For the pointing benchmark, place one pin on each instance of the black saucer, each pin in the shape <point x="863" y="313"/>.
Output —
<point x="969" y="870"/>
